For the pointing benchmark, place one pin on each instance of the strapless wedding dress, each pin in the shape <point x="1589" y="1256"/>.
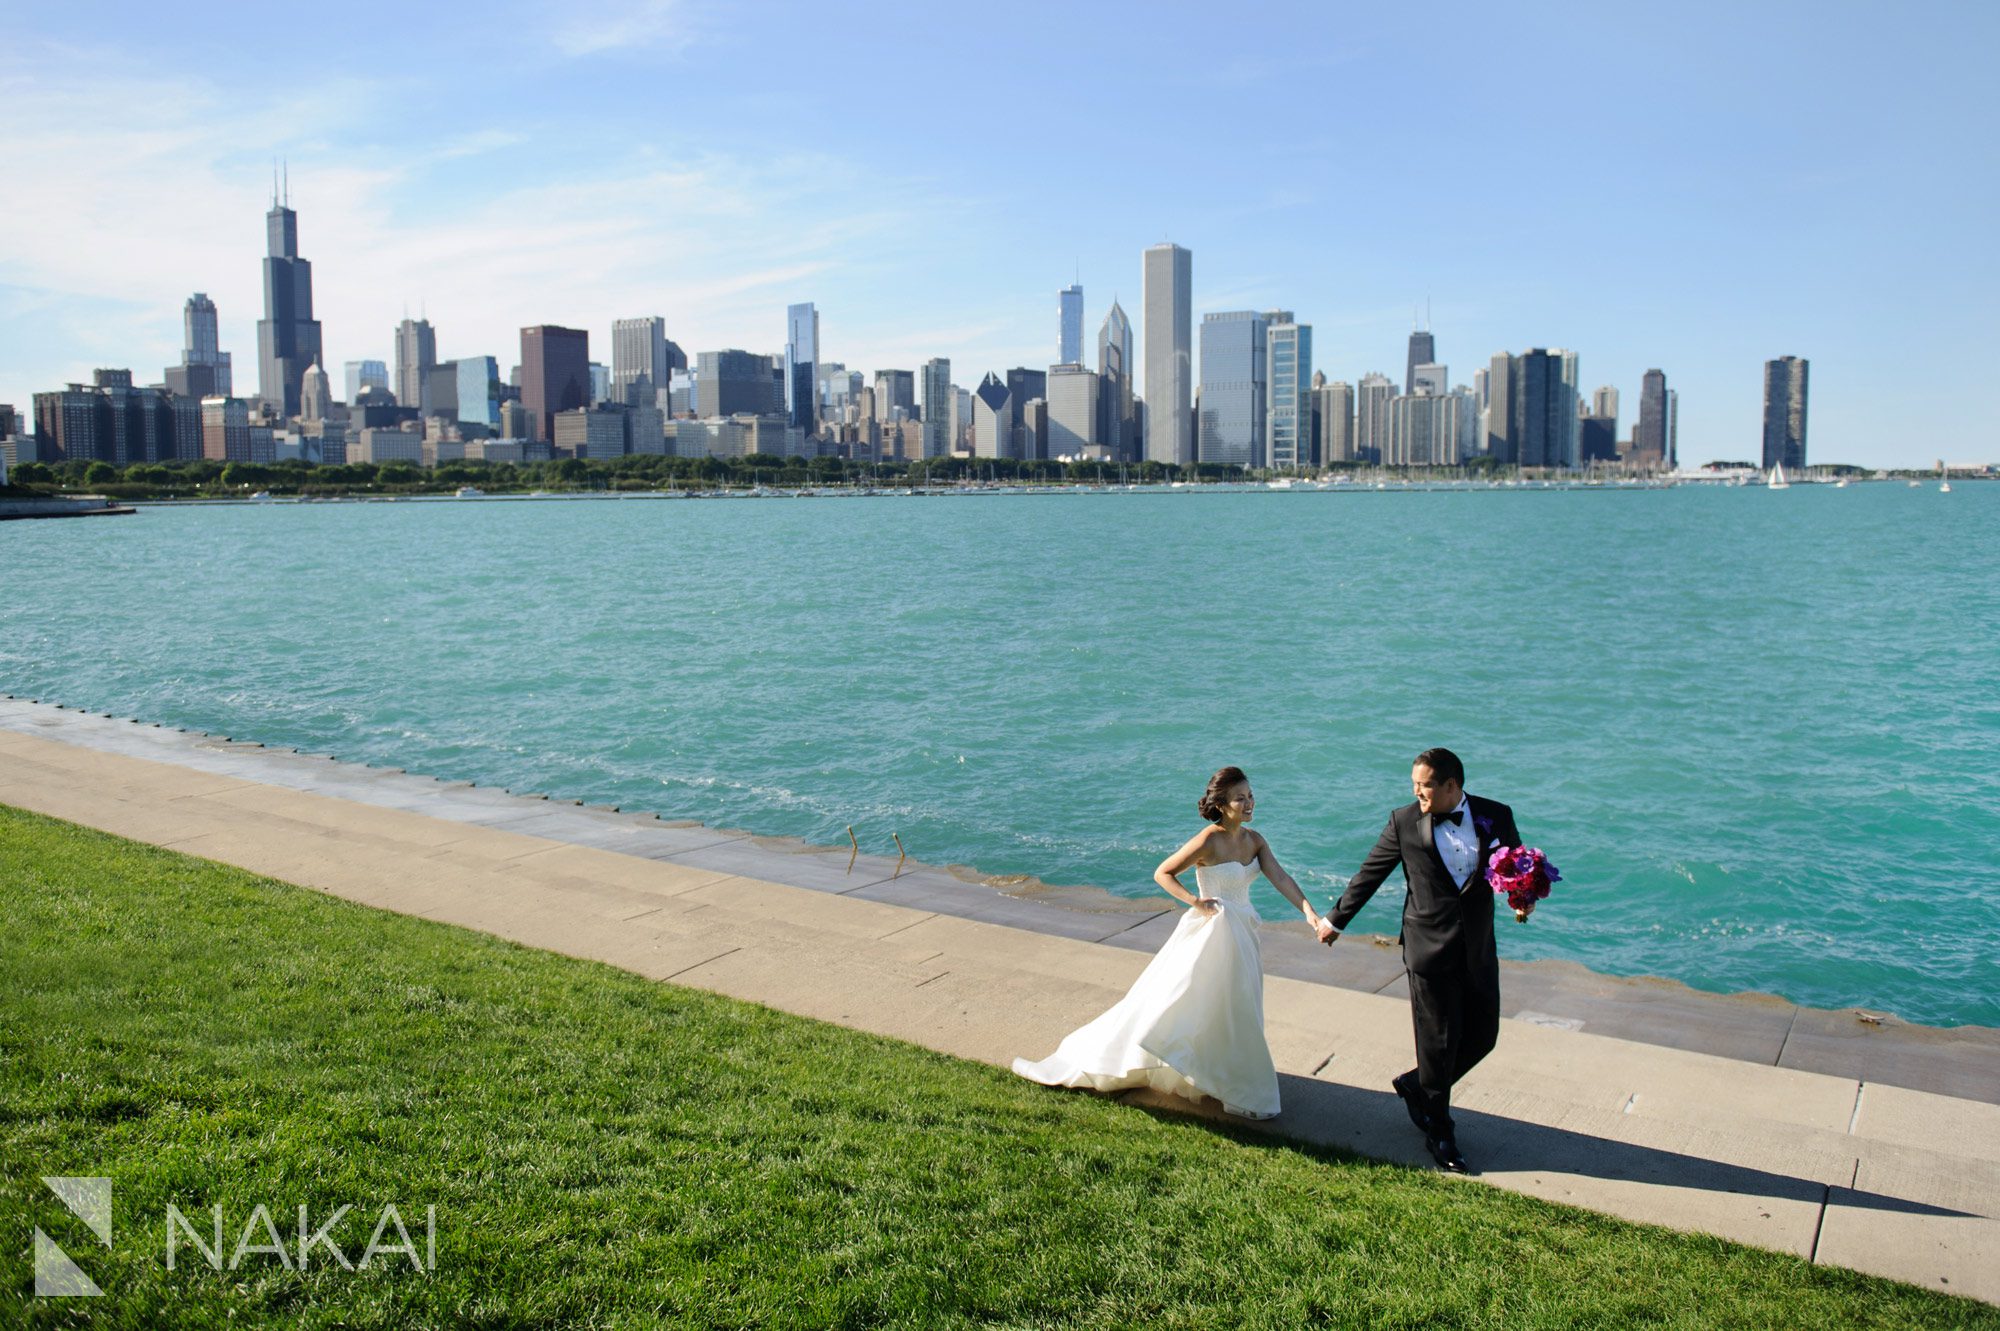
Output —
<point x="1193" y="1022"/>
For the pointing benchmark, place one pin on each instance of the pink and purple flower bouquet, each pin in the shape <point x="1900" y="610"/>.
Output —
<point x="1522" y="874"/>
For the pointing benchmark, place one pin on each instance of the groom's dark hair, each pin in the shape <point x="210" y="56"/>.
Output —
<point x="1444" y="765"/>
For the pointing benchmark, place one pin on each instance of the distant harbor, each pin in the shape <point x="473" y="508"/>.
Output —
<point x="1342" y="485"/>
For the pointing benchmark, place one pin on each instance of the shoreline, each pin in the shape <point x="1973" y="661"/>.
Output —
<point x="1963" y="1061"/>
<point x="1373" y="484"/>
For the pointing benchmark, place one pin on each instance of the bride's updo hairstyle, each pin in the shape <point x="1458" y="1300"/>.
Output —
<point x="1211" y="799"/>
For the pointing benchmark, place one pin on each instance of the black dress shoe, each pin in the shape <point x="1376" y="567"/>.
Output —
<point x="1444" y="1150"/>
<point x="1413" y="1100"/>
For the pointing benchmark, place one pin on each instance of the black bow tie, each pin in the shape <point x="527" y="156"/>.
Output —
<point x="1455" y="817"/>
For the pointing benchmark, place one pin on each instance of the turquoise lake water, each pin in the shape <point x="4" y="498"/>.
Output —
<point x="1759" y="731"/>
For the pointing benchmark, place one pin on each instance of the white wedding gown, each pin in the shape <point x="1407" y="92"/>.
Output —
<point x="1193" y="1022"/>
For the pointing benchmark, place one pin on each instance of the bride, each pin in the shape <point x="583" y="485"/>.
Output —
<point x="1193" y="1022"/>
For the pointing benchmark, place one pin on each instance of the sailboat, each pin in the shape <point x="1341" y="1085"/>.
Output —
<point x="1944" y="487"/>
<point x="1778" y="481"/>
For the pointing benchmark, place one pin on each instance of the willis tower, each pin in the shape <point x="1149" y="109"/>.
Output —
<point x="287" y="335"/>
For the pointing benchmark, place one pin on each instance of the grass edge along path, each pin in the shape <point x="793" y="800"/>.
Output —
<point x="602" y="1150"/>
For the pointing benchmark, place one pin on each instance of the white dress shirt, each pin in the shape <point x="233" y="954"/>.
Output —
<point x="1457" y="844"/>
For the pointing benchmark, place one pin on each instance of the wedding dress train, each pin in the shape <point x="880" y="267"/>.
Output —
<point x="1193" y="1022"/>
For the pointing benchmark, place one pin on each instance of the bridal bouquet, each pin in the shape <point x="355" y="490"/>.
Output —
<point x="1522" y="875"/>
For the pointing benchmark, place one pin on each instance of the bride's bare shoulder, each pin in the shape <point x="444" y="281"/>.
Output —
<point x="1203" y="845"/>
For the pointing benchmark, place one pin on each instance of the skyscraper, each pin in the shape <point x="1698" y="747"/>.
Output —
<point x="204" y="369"/>
<point x="1423" y="431"/>
<point x="1230" y="430"/>
<point x="1499" y="441"/>
<point x="937" y="407"/>
<point x="1568" y="409"/>
<point x="639" y="351"/>
<point x="440" y="391"/>
<point x="1115" y="367"/>
<point x="225" y="430"/>
<point x="1599" y="438"/>
<point x="1604" y="402"/>
<point x="287" y="335"/>
<point x="1423" y="351"/>
<point x="1674" y="428"/>
<point x="1023" y="387"/>
<point x="1598" y="425"/>
<point x="1288" y="395"/>
<point x="366" y="374"/>
<point x="315" y="393"/>
<point x="839" y="391"/>
<point x="1785" y="412"/>
<point x="1069" y="338"/>
<point x="416" y="353"/>
<point x="1532" y="417"/>
<point x="801" y="356"/>
<point x="477" y="391"/>
<point x="555" y="376"/>
<point x="1429" y="378"/>
<point x="1649" y="434"/>
<point x="735" y="383"/>
<point x="111" y="421"/>
<point x="1335" y="403"/>
<point x="895" y="389"/>
<point x="992" y="419"/>
<point x="1371" y="424"/>
<point x="1469" y="439"/>
<point x="1073" y="391"/>
<point x="1168" y="297"/>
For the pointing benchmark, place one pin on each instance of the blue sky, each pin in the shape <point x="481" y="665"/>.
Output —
<point x="1693" y="187"/>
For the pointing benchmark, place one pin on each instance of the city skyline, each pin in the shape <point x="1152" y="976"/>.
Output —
<point x="141" y="179"/>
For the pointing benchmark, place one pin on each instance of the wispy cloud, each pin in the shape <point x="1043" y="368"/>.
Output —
<point x="148" y="188"/>
<point x="670" y="26"/>
<point x="475" y="144"/>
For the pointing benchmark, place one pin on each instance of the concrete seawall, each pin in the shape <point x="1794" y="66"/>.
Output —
<point x="86" y="507"/>
<point x="1865" y="1044"/>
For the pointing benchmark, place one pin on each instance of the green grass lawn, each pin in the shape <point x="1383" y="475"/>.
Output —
<point x="605" y="1151"/>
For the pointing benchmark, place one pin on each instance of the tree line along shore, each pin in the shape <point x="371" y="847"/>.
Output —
<point x="210" y="478"/>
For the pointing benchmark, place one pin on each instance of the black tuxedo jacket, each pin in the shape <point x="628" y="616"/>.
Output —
<point x="1445" y="929"/>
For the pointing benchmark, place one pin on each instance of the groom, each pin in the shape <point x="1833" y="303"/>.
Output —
<point x="1443" y="842"/>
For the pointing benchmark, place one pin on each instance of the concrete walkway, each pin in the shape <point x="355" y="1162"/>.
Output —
<point x="1837" y="1167"/>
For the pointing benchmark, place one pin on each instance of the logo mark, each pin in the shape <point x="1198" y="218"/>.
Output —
<point x="56" y="1276"/>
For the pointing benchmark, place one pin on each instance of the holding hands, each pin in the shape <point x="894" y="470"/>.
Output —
<point x="1228" y="804"/>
